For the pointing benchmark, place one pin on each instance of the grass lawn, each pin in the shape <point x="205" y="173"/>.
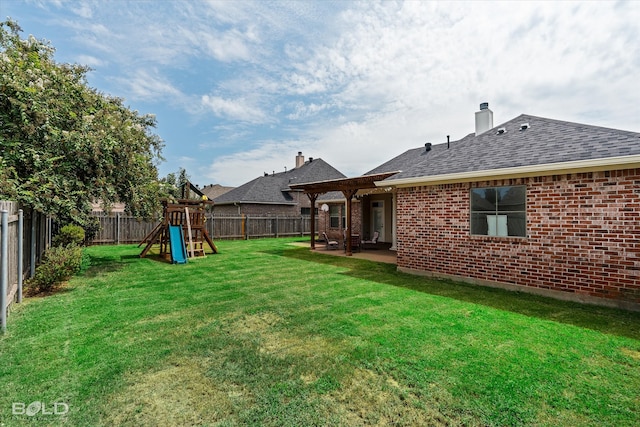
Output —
<point x="267" y="333"/>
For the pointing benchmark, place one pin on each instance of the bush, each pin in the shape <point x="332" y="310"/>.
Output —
<point x="59" y="264"/>
<point x="91" y="228"/>
<point x="69" y="235"/>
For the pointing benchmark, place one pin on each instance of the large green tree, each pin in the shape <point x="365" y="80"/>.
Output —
<point x="63" y="144"/>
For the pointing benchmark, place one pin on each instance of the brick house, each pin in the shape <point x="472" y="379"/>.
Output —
<point x="534" y="204"/>
<point x="271" y="194"/>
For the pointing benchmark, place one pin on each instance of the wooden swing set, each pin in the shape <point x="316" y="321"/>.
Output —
<point x="188" y="214"/>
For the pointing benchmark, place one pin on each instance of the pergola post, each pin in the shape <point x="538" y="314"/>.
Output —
<point x="312" y="198"/>
<point x="348" y="194"/>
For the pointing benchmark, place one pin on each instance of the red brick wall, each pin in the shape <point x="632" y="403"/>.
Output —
<point x="338" y="233"/>
<point x="583" y="235"/>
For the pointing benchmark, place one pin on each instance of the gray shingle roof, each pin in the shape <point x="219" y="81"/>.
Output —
<point x="274" y="188"/>
<point x="546" y="141"/>
<point x="215" y="190"/>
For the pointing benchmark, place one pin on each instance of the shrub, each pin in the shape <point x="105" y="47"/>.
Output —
<point x="69" y="235"/>
<point x="91" y="227"/>
<point x="59" y="264"/>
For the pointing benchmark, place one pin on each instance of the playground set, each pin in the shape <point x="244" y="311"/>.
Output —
<point x="182" y="233"/>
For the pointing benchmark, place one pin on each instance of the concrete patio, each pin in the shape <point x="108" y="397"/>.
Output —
<point x="380" y="254"/>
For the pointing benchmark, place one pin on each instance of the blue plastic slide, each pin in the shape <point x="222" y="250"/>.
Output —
<point x="176" y="243"/>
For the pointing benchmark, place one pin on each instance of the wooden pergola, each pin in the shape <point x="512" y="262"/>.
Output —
<point x="348" y="186"/>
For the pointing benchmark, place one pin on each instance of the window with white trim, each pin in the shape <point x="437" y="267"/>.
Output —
<point x="334" y="216"/>
<point x="499" y="211"/>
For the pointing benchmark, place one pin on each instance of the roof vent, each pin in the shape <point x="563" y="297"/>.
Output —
<point x="310" y="159"/>
<point x="484" y="106"/>
<point x="525" y="126"/>
<point x="501" y="131"/>
<point x="427" y="147"/>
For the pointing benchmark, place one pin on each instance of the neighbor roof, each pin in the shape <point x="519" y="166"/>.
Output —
<point x="545" y="144"/>
<point x="274" y="188"/>
<point x="215" y="190"/>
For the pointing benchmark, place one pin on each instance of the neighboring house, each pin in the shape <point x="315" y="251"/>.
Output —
<point x="534" y="204"/>
<point x="96" y="207"/>
<point x="271" y="195"/>
<point x="215" y="190"/>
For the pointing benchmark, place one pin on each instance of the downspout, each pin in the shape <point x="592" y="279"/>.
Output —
<point x="394" y="221"/>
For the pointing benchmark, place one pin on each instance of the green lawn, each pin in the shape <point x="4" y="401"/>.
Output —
<point x="266" y="333"/>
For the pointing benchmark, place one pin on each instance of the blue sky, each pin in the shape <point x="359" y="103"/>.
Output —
<point x="239" y="88"/>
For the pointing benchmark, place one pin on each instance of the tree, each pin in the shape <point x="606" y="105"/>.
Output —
<point x="171" y="185"/>
<point x="63" y="144"/>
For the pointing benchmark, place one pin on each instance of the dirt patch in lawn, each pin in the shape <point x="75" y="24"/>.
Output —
<point x="281" y="343"/>
<point x="371" y="399"/>
<point x="634" y="354"/>
<point x="180" y="394"/>
<point x="362" y="397"/>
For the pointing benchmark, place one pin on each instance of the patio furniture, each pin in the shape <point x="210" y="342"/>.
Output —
<point x="330" y="244"/>
<point x="355" y="242"/>
<point x="373" y="242"/>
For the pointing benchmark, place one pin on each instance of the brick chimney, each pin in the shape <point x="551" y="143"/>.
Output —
<point x="299" y="159"/>
<point x="484" y="119"/>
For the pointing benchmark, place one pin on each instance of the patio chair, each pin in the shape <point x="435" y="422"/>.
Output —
<point x="373" y="242"/>
<point x="330" y="244"/>
<point x="355" y="241"/>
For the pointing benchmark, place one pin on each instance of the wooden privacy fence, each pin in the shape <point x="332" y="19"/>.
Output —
<point x="120" y="228"/>
<point x="23" y="239"/>
<point x="248" y="227"/>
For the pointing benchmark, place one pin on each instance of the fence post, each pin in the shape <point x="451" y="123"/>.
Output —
<point x="276" y="227"/>
<point x="118" y="228"/>
<point x="49" y="232"/>
<point x="20" y="253"/>
<point x="4" y="270"/>
<point x="32" y="269"/>
<point x="244" y="227"/>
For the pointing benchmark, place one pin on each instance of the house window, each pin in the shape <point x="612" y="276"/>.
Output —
<point x="307" y="211"/>
<point x="334" y="216"/>
<point x="499" y="211"/>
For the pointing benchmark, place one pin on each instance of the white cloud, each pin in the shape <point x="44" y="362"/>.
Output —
<point x="83" y="10"/>
<point x="235" y="109"/>
<point x="90" y="60"/>
<point x="150" y="86"/>
<point x="226" y="47"/>
<point x="302" y="110"/>
<point x="238" y="168"/>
